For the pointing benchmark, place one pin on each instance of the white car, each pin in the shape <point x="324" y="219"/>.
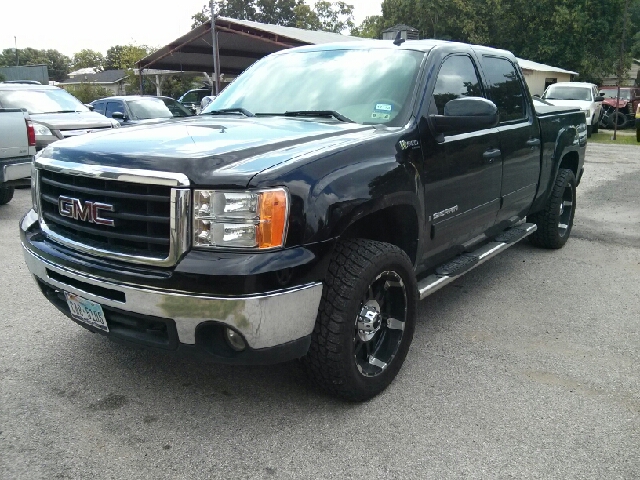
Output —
<point x="581" y="95"/>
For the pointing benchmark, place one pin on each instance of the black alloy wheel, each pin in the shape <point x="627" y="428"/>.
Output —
<point x="366" y="320"/>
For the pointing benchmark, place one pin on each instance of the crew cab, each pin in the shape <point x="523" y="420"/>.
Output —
<point x="17" y="148"/>
<point x="307" y="209"/>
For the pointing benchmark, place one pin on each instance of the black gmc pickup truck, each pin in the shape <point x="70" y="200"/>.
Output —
<point x="308" y="208"/>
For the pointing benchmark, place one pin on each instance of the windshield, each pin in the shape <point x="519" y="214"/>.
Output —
<point x="176" y="109"/>
<point x="568" y="93"/>
<point x="145" y="108"/>
<point x="53" y="100"/>
<point x="366" y="86"/>
<point x="613" y="93"/>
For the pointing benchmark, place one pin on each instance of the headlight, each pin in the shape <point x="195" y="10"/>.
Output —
<point x="41" y="130"/>
<point x="256" y="220"/>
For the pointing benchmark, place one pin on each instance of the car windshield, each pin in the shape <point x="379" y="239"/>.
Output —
<point x="145" y="108"/>
<point x="613" y="93"/>
<point x="176" y="109"/>
<point x="568" y="93"/>
<point x="365" y="86"/>
<point x="54" y="100"/>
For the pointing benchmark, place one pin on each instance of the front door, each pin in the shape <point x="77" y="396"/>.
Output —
<point x="461" y="170"/>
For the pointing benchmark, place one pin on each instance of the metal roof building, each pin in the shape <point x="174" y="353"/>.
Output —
<point x="240" y="43"/>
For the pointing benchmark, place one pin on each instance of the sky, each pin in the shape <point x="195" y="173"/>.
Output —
<point x="71" y="25"/>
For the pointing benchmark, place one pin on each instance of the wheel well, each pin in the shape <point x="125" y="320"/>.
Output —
<point x="396" y="225"/>
<point x="571" y="161"/>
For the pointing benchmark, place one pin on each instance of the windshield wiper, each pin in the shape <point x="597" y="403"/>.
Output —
<point x="222" y="111"/>
<point x="318" y="113"/>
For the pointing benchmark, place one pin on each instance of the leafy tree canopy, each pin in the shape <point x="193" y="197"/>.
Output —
<point x="86" y="58"/>
<point x="57" y="63"/>
<point x="120" y="57"/>
<point x="325" y="15"/>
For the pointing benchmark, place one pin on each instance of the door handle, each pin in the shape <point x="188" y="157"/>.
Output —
<point x="491" y="155"/>
<point x="533" y="142"/>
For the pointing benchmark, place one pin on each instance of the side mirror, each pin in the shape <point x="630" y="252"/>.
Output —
<point x="89" y="106"/>
<point x="599" y="98"/>
<point x="118" y="116"/>
<point x="466" y="114"/>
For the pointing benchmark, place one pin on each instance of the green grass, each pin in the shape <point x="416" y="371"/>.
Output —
<point x="622" y="139"/>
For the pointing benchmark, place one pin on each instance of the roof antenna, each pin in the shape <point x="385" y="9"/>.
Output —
<point x="399" y="40"/>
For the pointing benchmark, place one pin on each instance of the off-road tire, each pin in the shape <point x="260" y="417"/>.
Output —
<point x="550" y="233"/>
<point x="332" y="359"/>
<point x="619" y="118"/>
<point x="6" y="194"/>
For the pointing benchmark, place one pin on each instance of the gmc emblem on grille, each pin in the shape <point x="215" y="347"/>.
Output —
<point x="87" y="211"/>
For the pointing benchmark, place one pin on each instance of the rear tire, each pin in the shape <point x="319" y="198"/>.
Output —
<point x="556" y="219"/>
<point x="6" y="194"/>
<point x="365" y="321"/>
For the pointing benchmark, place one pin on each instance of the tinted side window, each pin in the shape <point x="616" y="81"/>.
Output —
<point x="98" y="107"/>
<point x="114" y="107"/>
<point x="457" y="78"/>
<point x="505" y="88"/>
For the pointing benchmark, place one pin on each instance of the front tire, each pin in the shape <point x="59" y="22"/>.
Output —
<point x="365" y="321"/>
<point x="556" y="219"/>
<point x="6" y="194"/>
<point x="594" y="125"/>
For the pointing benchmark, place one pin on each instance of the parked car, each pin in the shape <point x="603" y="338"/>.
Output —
<point x="305" y="216"/>
<point x="17" y="148"/>
<point x="55" y="113"/>
<point x="628" y="104"/>
<point x="193" y="98"/>
<point x="577" y="94"/>
<point x="137" y="109"/>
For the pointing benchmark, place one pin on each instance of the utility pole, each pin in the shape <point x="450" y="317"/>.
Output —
<point x="214" y="44"/>
<point x="15" y="42"/>
<point x="620" y="69"/>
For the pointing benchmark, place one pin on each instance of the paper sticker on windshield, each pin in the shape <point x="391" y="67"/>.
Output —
<point x="380" y="116"/>
<point x="383" y="107"/>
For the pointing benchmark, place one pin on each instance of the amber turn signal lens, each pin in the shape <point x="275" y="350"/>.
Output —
<point x="272" y="211"/>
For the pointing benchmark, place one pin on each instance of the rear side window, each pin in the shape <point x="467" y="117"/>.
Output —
<point x="99" y="107"/>
<point x="505" y="88"/>
<point x="457" y="78"/>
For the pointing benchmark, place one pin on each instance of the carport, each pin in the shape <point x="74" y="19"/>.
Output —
<point x="240" y="43"/>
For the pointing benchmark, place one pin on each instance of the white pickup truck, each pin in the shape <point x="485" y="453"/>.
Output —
<point x="17" y="148"/>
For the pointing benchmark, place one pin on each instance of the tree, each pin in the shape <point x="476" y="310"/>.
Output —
<point x="57" y="64"/>
<point x="329" y="16"/>
<point x="88" y="92"/>
<point x="371" y="27"/>
<point x="120" y="57"/>
<point x="334" y="16"/>
<point x="86" y="58"/>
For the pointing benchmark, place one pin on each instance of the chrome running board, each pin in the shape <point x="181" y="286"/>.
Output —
<point x="466" y="262"/>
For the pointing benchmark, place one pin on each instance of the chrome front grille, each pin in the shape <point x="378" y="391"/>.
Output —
<point x="148" y="224"/>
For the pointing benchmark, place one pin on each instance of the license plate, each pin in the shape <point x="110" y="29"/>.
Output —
<point x="86" y="311"/>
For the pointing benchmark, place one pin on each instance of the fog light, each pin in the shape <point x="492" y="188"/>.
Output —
<point x="234" y="340"/>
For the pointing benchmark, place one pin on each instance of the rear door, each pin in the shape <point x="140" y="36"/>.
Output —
<point x="519" y="137"/>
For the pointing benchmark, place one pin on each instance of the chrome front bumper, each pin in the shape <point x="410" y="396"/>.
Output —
<point x="265" y="321"/>
<point x="17" y="169"/>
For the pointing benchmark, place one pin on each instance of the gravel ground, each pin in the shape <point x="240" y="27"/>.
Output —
<point x="527" y="367"/>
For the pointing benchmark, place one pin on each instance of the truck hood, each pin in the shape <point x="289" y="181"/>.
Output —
<point x="612" y="102"/>
<point x="72" y="120"/>
<point x="209" y="150"/>
<point x="581" y="104"/>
